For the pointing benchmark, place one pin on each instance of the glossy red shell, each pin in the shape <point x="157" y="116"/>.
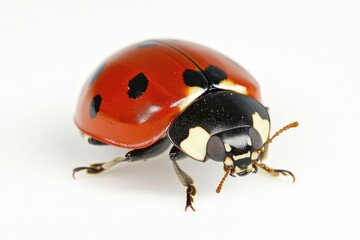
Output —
<point x="136" y="123"/>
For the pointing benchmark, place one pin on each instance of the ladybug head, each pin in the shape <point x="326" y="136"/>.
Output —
<point x="237" y="148"/>
<point x="242" y="149"/>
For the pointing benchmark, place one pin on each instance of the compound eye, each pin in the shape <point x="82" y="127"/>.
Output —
<point x="215" y="149"/>
<point x="256" y="141"/>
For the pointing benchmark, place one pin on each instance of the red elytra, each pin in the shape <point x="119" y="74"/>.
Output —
<point x="138" y="122"/>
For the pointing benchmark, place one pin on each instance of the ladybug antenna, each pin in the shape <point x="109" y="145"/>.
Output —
<point x="291" y="125"/>
<point x="227" y="172"/>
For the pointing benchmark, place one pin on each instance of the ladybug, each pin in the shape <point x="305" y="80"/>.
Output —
<point x="161" y="93"/>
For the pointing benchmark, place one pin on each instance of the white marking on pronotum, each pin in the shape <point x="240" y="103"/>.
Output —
<point x="227" y="147"/>
<point x="195" y="144"/>
<point x="242" y="156"/>
<point x="229" y="85"/>
<point x="262" y="126"/>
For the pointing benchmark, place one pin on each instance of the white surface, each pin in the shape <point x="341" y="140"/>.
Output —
<point x="305" y="55"/>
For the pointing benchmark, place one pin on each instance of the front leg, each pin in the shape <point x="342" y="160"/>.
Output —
<point x="274" y="172"/>
<point x="175" y="155"/>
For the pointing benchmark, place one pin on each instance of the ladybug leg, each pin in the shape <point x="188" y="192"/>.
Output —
<point x="175" y="155"/>
<point x="274" y="172"/>
<point x="148" y="152"/>
<point x="89" y="139"/>
<point x="132" y="156"/>
<point x="93" y="141"/>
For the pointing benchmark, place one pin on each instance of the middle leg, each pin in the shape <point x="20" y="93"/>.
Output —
<point x="175" y="155"/>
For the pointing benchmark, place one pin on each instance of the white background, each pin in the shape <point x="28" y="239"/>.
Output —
<point x="306" y="57"/>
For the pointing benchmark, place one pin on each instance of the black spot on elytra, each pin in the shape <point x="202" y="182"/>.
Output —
<point x="214" y="74"/>
<point x="194" y="78"/>
<point x="137" y="86"/>
<point x="95" y="105"/>
<point x="147" y="44"/>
